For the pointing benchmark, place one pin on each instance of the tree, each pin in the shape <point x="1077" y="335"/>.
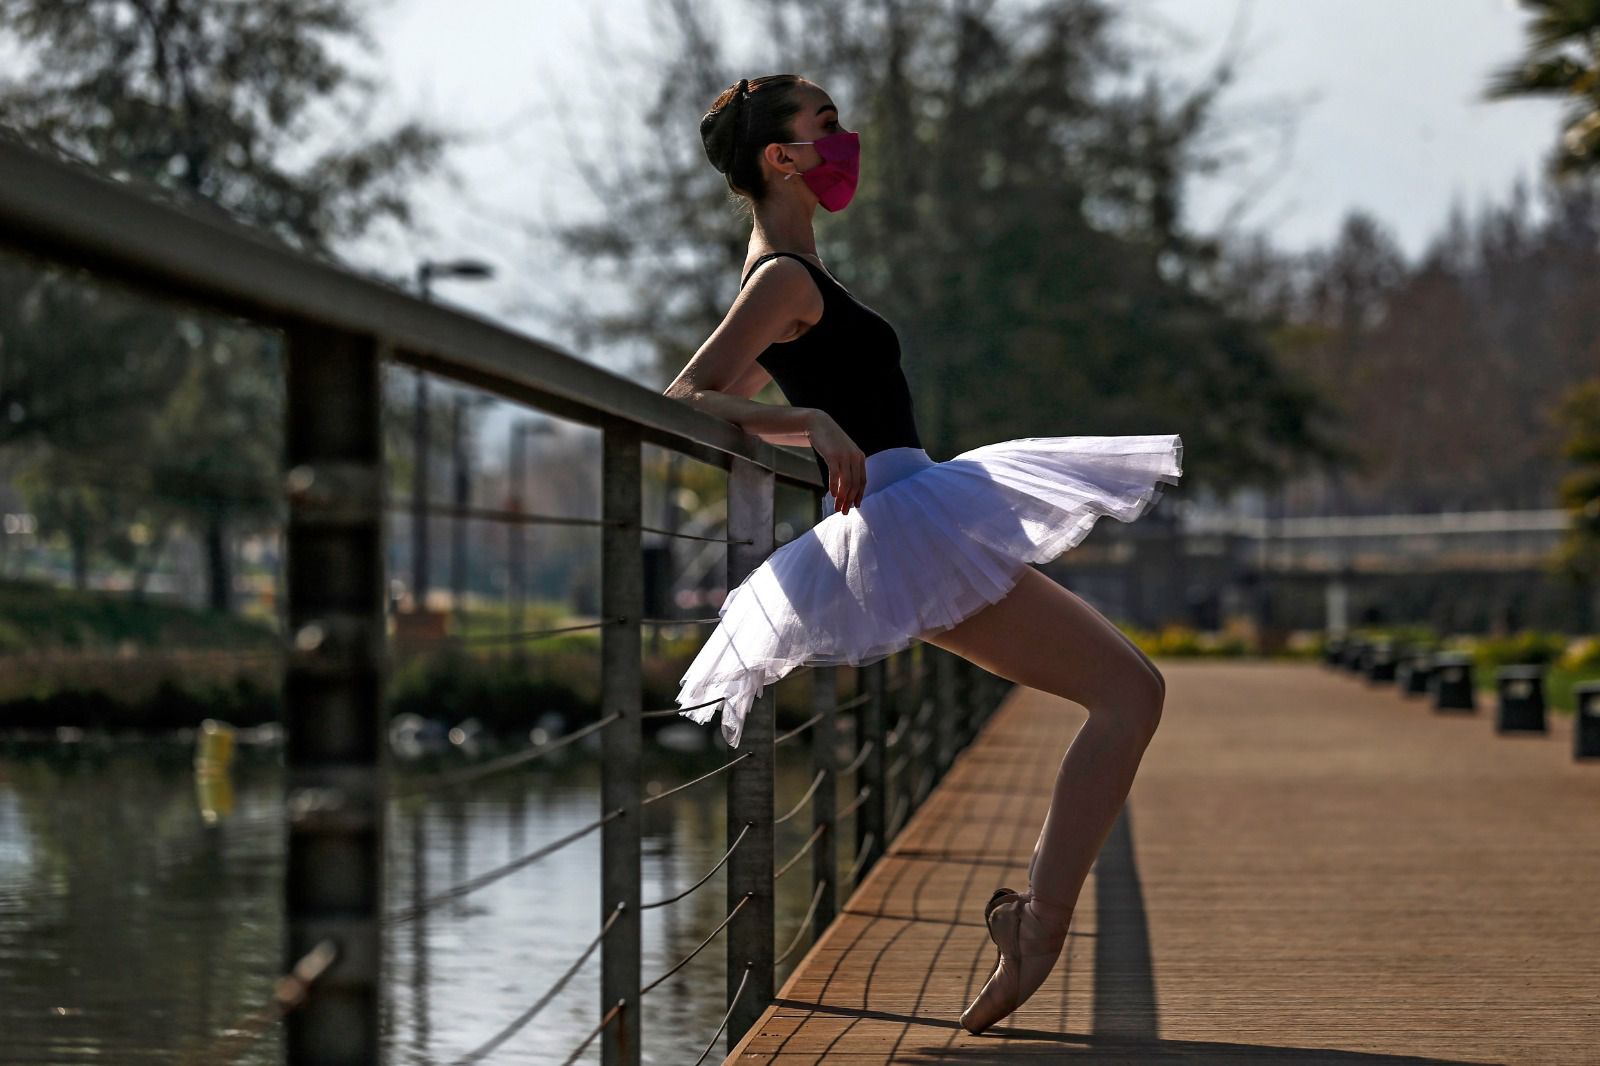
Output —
<point x="217" y="104"/>
<point x="1444" y="370"/>
<point x="1580" y="489"/>
<point x="1563" y="60"/>
<point x="1019" y="224"/>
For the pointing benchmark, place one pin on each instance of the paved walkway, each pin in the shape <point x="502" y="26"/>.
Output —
<point x="1308" y="870"/>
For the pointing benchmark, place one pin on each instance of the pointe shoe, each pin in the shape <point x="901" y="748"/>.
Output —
<point x="1027" y="950"/>
<point x="995" y="898"/>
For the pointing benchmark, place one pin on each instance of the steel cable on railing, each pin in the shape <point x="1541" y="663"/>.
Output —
<point x="853" y="702"/>
<point x="605" y="1020"/>
<point x="685" y="960"/>
<point x="815" y="781"/>
<point x="411" y="913"/>
<point x="502" y="763"/>
<point x="495" y="638"/>
<point x="860" y="757"/>
<point x="667" y="712"/>
<point x="692" y="536"/>
<point x="862" y="852"/>
<point x="673" y="899"/>
<point x="210" y="487"/>
<point x="293" y="644"/>
<point x="731" y="1004"/>
<point x="797" y="730"/>
<point x="903" y="680"/>
<point x="896" y="734"/>
<point x="901" y="809"/>
<point x="526" y="1016"/>
<point x="805" y="922"/>
<point x="850" y="808"/>
<point x="497" y="514"/>
<point x="797" y="856"/>
<point x="705" y="776"/>
<point x="288" y="646"/>
<point x="898" y="765"/>
<point x="492" y="514"/>
<point x="288" y="993"/>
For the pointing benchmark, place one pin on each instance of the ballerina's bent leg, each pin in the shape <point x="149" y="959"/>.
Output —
<point x="1044" y="636"/>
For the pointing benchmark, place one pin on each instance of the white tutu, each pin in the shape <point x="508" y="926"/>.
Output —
<point x="930" y="544"/>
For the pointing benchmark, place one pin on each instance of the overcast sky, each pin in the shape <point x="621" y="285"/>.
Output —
<point x="1385" y="93"/>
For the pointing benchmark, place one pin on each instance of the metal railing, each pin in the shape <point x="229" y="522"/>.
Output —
<point x="913" y="712"/>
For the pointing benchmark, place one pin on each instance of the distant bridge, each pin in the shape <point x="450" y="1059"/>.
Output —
<point x="1497" y="541"/>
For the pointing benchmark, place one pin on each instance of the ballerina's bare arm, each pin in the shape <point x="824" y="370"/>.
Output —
<point x="778" y="303"/>
<point x="719" y="378"/>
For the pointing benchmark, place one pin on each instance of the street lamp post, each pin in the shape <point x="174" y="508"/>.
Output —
<point x="461" y="448"/>
<point x="427" y="270"/>
<point x="516" y="530"/>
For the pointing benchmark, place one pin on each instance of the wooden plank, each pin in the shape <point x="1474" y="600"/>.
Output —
<point x="1308" y="869"/>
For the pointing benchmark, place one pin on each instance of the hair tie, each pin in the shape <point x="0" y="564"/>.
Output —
<point x="743" y="128"/>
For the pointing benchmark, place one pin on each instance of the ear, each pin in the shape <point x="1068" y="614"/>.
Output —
<point x="779" y="157"/>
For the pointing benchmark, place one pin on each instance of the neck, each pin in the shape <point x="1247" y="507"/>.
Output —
<point x="784" y="222"/>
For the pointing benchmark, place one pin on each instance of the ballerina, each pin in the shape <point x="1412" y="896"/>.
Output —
<point x="911" y="548"/>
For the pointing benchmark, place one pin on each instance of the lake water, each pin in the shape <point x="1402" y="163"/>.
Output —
<point x="132" y="932"/>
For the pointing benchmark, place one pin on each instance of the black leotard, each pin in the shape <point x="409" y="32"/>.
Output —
<point x="848" y="365"/>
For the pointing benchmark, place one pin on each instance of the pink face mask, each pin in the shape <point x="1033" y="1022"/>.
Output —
<point x="834" y="179"/>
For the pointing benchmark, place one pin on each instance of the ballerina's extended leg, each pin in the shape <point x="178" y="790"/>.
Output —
<point x="1078" y="655"/>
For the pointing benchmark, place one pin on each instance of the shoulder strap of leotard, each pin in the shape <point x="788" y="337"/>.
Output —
<point x="815" y="270"/>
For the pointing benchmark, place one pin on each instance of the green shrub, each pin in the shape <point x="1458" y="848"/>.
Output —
<point x="1582" y="656"/>
<point x="36" y="616"/>
<point x="1527" y="646"/>
<point x="172" y="703"/>
<point x="505" y="692"/>
<point x="1181" y="640"/>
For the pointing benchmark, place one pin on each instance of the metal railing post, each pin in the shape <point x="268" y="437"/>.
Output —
<point x="621" y="743"/>
<point x="985" y="686"/>
<point x="825" y="804"/>
<point x="872" y="816"/>
<point x="333" y="687"/>
<point x="944" y="719"/>
<point x="924" y="763"/>
<point x="968" y="721"/>
<point x="750" y="784"/>
<point x="900" y="716"/>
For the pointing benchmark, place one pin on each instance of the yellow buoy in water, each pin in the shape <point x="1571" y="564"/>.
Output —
<point x="214" y="794"/>
<point x="213" y="748"/>
<point x="213" y="758"/>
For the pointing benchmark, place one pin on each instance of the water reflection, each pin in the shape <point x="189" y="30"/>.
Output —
<point x="132" y="932"/>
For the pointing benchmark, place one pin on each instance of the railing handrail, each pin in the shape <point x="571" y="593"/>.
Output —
<point x="1414" y="524"/>
<point x="340" y="328"/>
<point x="76" y="214"/>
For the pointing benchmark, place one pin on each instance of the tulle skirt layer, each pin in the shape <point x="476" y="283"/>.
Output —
<point x="931" y="543"/>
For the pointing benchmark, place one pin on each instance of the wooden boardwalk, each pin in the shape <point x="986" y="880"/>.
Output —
<point x="1307" y="870"/>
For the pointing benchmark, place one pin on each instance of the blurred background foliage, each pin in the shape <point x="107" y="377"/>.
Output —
<point x="1020" y="221"/>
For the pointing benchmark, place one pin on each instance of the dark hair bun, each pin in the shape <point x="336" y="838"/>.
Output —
<point x="720" y="127"/>
<point x="743" y="120"/>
